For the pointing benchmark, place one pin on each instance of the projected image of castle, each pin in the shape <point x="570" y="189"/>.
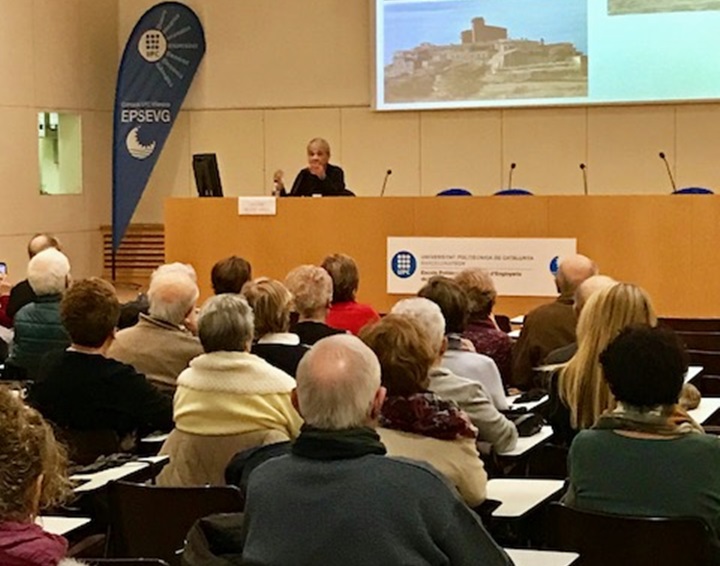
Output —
<point x="618" y="7"/>
<point x="488" y="63"/>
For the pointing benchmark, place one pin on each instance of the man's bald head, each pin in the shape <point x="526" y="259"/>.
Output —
<point x="573" y="270"/>
<point x="338" y="383"/>
<point x="41" y="242"/>
<point x="589" y="287"/>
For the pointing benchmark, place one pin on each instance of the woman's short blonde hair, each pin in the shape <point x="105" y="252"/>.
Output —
<point x="405" y="352"/>
<point x="311" y="287"/>
<point x="28" y="449"/>
<point x="607" y="312"/>
<point x="271" y="303"/>
<point x="480" y="290"/>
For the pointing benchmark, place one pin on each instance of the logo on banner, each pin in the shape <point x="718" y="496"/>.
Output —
<point x="555" y="265"/>
<point x="137" y="149"/>
<point x="404" y="264"/>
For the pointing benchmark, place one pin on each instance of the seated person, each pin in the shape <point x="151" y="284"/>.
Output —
<point x="494" y="429"/>
<point x="318" y="178"/>
<point x="414" y="422"/>
<point x="337" y="499"/>
<point x="646" y="456"/>
<point x="578" y="392"/>
<point x="345" y="312"/>
<point x="81" y="388"/>
<point x="33" y="476"/>
<point x="271" y="303"/>
<point x="38" y="330"/>
<point x="311" y="288"/>
<point x="228" y="400"/>
<point x="230" y="274"/>
<point x="481" y="329"/>
<point x="453" y="303"/>
<point x="550" y="326"/>
<point x="162" y="344"/>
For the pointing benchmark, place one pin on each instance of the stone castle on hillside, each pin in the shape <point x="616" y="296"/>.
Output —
<point x="487" y="64"/>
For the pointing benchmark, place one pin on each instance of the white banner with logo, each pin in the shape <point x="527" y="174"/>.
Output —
<point x="523" y="267"/>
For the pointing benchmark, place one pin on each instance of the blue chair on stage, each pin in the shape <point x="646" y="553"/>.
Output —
<point x="513" y="193"/>
<point x="694" y="191"/>
<point x="454" y="192"/>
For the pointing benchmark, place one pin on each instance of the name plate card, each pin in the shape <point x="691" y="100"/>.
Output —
<point x="257" y="206"/>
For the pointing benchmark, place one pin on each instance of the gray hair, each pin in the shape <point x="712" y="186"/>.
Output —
<point x="225" y="324"/>
<point x="48" y="272"/>
<point x="427" y="314"/>
<point x="337" y="381"/>
<point x="175" y="267"/>
<point x="311" y="287"/>
<point x="172" y="295"/>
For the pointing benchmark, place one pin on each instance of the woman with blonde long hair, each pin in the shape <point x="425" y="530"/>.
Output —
<point x="579" y="394"/>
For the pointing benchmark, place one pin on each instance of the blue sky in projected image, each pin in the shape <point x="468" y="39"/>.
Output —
<point x="407" y="24"/>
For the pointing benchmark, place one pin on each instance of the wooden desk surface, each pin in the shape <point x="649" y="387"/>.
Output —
<point x="654" y="241"/>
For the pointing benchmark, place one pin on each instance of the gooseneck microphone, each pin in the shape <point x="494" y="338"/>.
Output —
<point x="583" y="168"/>
<point x="669" y="171"/>
<point x="385" y="180"/>
<point x="512" y="168"/>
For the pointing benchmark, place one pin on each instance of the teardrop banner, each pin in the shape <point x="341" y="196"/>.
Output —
<point x="157" y="68"/>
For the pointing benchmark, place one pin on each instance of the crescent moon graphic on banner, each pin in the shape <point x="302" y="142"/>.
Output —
<point x="137" y="149"/>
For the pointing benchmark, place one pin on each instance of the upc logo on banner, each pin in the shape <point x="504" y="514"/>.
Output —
<point x="404" y="264"/>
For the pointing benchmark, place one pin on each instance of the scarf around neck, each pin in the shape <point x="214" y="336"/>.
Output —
<point x="663" y="420"/>
<point x="426" y="415"/>
<point x="27" y="544"/>
<point x="317" y="444"/>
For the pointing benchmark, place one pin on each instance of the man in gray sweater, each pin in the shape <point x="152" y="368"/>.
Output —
<point x="337" y="499"/>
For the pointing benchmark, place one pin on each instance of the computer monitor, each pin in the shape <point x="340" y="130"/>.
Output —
<point x="207" y="175"/>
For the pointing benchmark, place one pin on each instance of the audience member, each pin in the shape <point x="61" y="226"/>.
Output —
<point x="583" y="293"/>
<point x="550" y="326"/>
<point x="383" y="510"/>
<point x="453" y="303"/>
<point x="646" y="457"/>
<point x="318" y="178"/>
<point x="227" y="400"/>
<point x="82" y="389"/>
<point x="22" y="293"/>
<point x="230" y="274"/>
<point x="271" y="303"/>
<point x="415" y="422"/>
<point x="38" y="329"/>
<point x="481" y="329"/>
<point x="33" y="476"/>
<point x="578" y="392"/>
<point x="345" y="312"/>
<point x="311" y="288"/>
<point x="493" y="427"/>
<point x="160" y="344"/>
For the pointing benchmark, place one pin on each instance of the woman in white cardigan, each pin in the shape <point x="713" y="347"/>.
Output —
<point x="227" y="400"/>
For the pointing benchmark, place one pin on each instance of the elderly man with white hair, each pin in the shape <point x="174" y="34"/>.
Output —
<point x="493" y="427"/>
<point x="161" y="344"/>
<point x="552" y="325"/>
<point x="38" y="328"/>
<point x="337" y="499"/>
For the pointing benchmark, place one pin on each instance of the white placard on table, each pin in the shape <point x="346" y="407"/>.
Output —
<point x="521" y="267"/>
<point x="520" y="496"/>
<point x="527" y="443"/>
<point x="257" y="206"/>
<point x="707" y="408"/>
<point x="529" y="557"/>
<point x="60" y="525"/>
<point x="100" y="479"/>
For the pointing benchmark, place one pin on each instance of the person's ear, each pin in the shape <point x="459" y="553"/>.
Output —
<point x="378" y="402"/>
<point x="444" y="346"/>
<point x="295" y="401"/>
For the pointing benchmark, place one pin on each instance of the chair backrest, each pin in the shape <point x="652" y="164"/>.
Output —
<point x="513" y="193"/>
<point x="710" y="361"/>
<point x="704" y="341"/>
<point x="620" y="540"/>
<point x="692" y="324"/>
<point x="503" y="322"/>
<point x="124" y="562"/>
<point x="455" y="192"/>
<point x="152" y="521"/>
<point x="694" y="191"/>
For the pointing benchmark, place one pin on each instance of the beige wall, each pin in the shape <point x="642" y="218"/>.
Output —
<point x="278" y="72"/>
<point x="55" y="55"/>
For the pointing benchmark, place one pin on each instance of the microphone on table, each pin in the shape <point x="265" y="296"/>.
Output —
<point x="669" y="171"/>
<point x="385" y="180"/>
<point x="512" y="168"/>
<point x="583" y="168"/>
